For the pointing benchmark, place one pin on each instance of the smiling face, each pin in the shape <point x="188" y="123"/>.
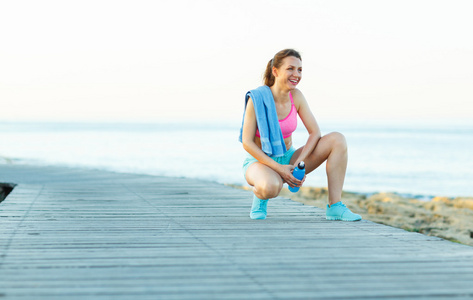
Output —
<point x="289" y="74"/>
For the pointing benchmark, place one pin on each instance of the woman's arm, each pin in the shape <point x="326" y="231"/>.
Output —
<point x="248" y="139"/>
<point x="310" y="124"/>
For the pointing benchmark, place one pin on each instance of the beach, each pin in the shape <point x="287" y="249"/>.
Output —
<point x="121" y="149"/>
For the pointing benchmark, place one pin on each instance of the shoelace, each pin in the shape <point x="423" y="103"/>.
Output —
<point x="262" y="205"/>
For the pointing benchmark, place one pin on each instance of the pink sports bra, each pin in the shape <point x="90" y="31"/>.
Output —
<point x="288" y="124"/>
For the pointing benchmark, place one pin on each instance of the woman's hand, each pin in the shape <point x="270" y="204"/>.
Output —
<point x="286" y="174"/>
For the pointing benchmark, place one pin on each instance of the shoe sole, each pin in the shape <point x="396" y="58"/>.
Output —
<point x="341" y="219"/>
<point x="258" y="217"/>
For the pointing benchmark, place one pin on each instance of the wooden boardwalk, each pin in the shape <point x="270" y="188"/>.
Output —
<point x="85" y="234"/>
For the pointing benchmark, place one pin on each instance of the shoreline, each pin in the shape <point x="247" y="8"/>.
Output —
<point x="450" y="218"/>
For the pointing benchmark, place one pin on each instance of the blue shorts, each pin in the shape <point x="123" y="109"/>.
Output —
<point x="283" y="160"/>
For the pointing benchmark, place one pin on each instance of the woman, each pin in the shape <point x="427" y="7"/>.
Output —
<point x="266" y="171"/>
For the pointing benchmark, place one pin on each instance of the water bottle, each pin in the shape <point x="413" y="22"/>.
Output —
<point x="299" y="173"/>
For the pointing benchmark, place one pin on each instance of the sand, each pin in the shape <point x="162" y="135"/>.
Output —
<point x="447" y="218"/>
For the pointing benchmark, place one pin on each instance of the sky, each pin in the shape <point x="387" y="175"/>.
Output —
<point x="152" y="61"/>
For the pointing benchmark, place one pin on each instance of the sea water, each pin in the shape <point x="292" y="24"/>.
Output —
<point x="416" y="159"/>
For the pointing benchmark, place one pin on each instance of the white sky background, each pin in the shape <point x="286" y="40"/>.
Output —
<point x="106" y="60"/>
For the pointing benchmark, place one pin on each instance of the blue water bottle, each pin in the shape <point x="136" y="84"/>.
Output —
<point x="299" y="173"/>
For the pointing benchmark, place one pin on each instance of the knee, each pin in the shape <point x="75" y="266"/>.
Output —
<point x="268" y="189"/>
<point x="338" y="141"/>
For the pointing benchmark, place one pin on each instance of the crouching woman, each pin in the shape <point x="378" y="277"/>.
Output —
<point x="269" y="120"/>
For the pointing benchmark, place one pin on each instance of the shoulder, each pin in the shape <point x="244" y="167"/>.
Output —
<point x="297" y="94"/>
<point x="298" y="97"/>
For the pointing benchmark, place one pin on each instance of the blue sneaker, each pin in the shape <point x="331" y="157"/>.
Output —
<point x="258" y="209"/>
<point x="339" y="211"/>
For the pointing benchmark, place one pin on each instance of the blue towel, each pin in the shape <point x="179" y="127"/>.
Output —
<point x="272" y="141"/>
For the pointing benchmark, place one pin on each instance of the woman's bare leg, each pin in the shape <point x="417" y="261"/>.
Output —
<point x="333" y="149"/>
<point x="266" y="182"/>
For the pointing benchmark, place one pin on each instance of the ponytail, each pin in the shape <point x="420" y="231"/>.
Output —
<point x="276" y="61"/>
<point x="268" y="74"/>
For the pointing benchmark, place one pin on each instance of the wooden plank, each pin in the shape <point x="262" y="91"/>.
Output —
<point x="79" y="234"/>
